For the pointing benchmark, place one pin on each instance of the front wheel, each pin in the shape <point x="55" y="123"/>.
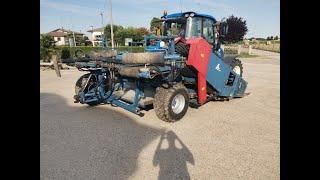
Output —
<point x="171" y="104"/>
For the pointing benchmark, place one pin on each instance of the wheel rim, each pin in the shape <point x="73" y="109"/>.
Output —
<point x="178" y="103"/>
<point x="237" y="70"/>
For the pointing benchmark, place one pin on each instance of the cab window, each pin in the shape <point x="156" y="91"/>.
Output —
<point x="194" y="27"/>
<point x="208" y="32"/>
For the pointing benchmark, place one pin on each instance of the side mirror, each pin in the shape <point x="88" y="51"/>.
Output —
<point x="223" y="29"/>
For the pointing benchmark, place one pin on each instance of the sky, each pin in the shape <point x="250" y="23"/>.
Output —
<point x="262" y="16"/>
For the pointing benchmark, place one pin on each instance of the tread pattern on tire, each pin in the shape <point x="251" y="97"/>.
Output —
<point x="237" y="62"/>
<point x="162" y="100"/>
<point x="79" y="83"/>
<point x="78" y="87"/>
<point x="182" y="49"/>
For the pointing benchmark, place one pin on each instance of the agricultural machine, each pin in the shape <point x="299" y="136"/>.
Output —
<point x="182" y="66"/>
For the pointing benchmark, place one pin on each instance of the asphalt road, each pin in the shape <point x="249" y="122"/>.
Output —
<point x="239" y="139"/>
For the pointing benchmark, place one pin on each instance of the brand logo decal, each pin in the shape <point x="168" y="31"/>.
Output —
<point x="218" y="67"/>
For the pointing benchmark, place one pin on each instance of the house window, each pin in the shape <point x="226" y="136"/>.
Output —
<point x="59" y="39"/>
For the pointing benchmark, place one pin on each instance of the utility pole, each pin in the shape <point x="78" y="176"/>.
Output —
<point x="111" y="23"/>
<point x="102" y="33"/>
<point x="101" y="14"/>
<point x="74" y="39"/>
<point x="92" y="38"/>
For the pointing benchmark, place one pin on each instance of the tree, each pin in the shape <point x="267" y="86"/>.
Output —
<point x="81" y="40"/>
<point x="47" y="44"/>
<point x="155" y="24"/>
<point x="107" y="32"/>
<point x="271" y="38"/>
<point x="276" y="38"/>
<point x="87" y="42"/>
<point x="142" y="32"/>
<point x="129" y="32"/>
<point x="237" y="29"/>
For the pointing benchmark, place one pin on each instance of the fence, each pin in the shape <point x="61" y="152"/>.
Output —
<point x="237" y="49"/>
<point x="274" y="47"/>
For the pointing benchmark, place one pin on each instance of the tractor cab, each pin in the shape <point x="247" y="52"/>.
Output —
<point x="187" y="25"/>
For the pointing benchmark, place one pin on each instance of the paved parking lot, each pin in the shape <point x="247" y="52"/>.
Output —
<point x="239" y="139"/>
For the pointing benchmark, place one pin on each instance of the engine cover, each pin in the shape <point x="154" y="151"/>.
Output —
<point x="198" y="57"/>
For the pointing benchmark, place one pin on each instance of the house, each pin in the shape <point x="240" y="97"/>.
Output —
<point x="64" y="37"/>
<point x="96" y="36"/>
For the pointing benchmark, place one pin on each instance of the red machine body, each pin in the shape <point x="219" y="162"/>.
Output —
<point x="199" y="55"/>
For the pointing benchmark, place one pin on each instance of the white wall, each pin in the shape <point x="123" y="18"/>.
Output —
<point x="61" y="42"/>
<point x="95" y="42"/>
<point x="95" y="34"/>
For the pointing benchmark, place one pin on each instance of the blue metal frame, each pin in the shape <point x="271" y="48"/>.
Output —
<point x="217" y="75"/>
<point x="134" y="107"/>
<point x="99" y="95"/>
<point x="179" y="15"/>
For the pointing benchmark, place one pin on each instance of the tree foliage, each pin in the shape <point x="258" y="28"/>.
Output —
<point x="120" y="33"/>
<point x="107" y="32"/>
<point x="155" y="24"/>
<point x="46" y="47"/>
<point x="237" y="29"/>
<point x="143" y="31"/>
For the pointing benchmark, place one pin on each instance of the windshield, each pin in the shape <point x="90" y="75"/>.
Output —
<point x="193" y="27"/>
<point x="175" y="27"/>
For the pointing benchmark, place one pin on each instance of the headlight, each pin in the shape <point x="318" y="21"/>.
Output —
<point x="192" y="14"/>
<point x="162" y="43"/>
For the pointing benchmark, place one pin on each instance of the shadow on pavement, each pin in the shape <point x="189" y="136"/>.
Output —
<point x="93" y="143"/>
<point x="172" y="161"/>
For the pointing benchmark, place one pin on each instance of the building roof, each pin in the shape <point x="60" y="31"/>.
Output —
<point x="57" y="34"/>
<point x="97" y="30"/>
<point x="60" y="32"/>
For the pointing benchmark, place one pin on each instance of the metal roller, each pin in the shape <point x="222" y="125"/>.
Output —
<point x="130" y="71"/>
<point x="143" y="58"/>
<point x="103" y="53"/>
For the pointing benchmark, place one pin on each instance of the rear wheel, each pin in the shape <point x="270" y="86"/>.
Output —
<point x="171" y="104"/>
<point x="80" y="85"/>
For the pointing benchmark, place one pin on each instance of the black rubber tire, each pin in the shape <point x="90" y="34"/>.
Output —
<point x="163" y="99"/>
<point x="182" y="49"/>
<point x="79" y="53"/>
<point x="79" y="85"/>
<point x="236" y="62"/>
